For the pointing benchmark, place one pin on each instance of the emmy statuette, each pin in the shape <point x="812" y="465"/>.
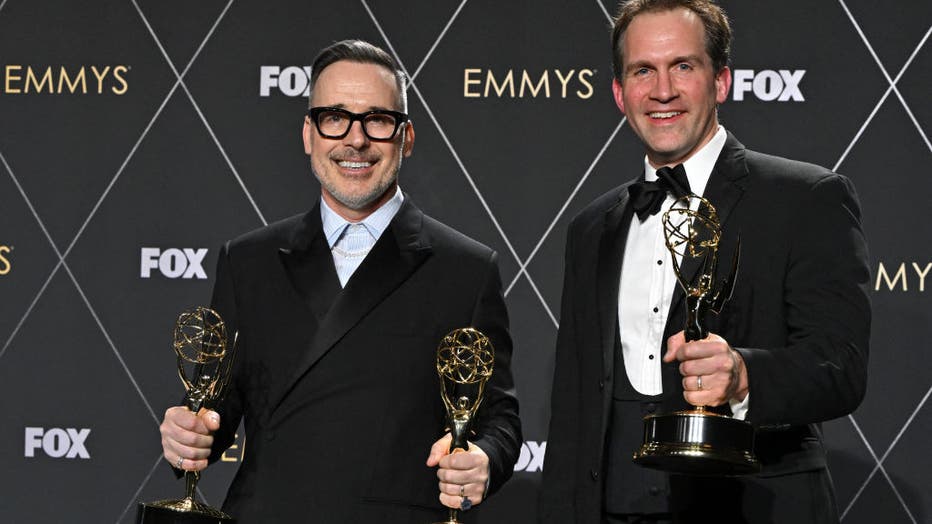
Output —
<point x="465" y="359"/>
<point x="200" y="338"/>
<point x="698" y="441"/>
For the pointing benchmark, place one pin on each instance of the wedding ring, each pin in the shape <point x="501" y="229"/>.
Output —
<point x="465" y="504"/>
<point x="463" y="491"/>
<point x="180" y="462"/>
<point x="699" y="383"/>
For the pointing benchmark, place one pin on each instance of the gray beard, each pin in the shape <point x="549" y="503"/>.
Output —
<point x="357" y="202"/>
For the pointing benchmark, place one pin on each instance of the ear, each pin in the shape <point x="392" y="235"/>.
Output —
<point x="306" y="135"/>
<point x="722" y="84"/>
<point x="618" y="93"/>
<point x="408" y="139"/>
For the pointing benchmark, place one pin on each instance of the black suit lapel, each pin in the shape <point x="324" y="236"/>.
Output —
<point x="611" y="253"/>
<point x="309" y="265"/>
<point x="724" y="190"/>
<point x="608" y="279"/>
<point x="309" y="285"/>
<point x="395" y="256"/>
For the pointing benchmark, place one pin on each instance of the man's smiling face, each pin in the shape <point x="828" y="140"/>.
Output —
<point x="669" y="90"/>
<point x="356" y="174"/>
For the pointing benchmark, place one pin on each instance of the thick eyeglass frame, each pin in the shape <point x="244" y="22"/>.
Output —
<point x="314" y="114"/>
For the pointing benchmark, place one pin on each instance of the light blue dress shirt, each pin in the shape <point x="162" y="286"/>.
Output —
<point x="350" y="242"/>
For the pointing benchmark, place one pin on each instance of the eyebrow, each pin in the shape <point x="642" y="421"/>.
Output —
<point x="699" y="59"/>
<point x="676" y="60"/>
<point x="371" y="108"/>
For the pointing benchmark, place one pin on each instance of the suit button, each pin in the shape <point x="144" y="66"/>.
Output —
<point x="601" y="384"/>
<point x="595" y="474"/>
<point x="650" y="408"/>
<point x="654" y="490"/>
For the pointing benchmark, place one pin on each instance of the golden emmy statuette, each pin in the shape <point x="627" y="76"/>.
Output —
<point x="698" y="441"/>
<point x="465" y="359"/>
<point x="200" y="342"/>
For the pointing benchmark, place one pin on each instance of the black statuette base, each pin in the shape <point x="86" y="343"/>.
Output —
<point x="165" y="512"/>
<point x="698" y="443"/>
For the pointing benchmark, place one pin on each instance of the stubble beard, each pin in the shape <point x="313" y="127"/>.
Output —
<point x="358" y="202"/>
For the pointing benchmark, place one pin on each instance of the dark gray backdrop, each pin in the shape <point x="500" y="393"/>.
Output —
<point x="182" y="134"/>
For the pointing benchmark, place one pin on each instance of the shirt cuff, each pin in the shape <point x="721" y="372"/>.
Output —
<point x="739" y="409"/>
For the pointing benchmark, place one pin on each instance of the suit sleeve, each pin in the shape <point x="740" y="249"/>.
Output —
<point x="822" y="371"/>
<point x="559" y="475"/>
<point x="224" y="303"/>
<point x="498" y="427"/>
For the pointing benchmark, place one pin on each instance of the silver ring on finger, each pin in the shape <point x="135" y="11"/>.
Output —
<point x="463" y="490"/>
<point x="699" y="383"/>
<point x="180" y="462"/>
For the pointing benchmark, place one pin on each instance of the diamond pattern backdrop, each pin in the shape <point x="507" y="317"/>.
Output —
<point x="174" y="125"/>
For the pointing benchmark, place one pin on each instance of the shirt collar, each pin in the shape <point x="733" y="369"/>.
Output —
<point x="376" y="223"/>
<point x="699" y="165"/>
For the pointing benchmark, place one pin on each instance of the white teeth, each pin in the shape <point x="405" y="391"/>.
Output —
<point x="355" y="165"/>
<point x="668" y="114"/>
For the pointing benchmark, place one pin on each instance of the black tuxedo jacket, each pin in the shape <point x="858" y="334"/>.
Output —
<point x="338" y="388"/>
<point x="799" y="316"/>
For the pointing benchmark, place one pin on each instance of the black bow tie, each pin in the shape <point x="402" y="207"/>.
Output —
<point x="647" y="197"/>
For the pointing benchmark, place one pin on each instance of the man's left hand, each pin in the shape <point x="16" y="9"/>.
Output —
<point x="713" y="373"/>
<point x="462" y="474"/>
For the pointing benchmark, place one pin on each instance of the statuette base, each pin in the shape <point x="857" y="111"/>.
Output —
<point x="183" y="511"/>
<point x="698" y="442"/>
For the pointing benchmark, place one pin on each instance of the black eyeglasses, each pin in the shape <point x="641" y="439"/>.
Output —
<point x="333" y="122"/>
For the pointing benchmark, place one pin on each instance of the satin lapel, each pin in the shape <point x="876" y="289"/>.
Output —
<point x="309" y="266"/>
<point x="724" y="190"/>
<point x="608" y="278"/>
<point x="398" y="253"/>
<point x="611" y="252"/>
<point x="309" y="285"/>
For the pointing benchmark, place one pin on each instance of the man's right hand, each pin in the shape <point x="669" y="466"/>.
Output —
<point x="187" y="438"/>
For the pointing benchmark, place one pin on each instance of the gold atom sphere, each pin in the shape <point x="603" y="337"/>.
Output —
<point x="200" y="336"/>
<point x="465" y="356"/>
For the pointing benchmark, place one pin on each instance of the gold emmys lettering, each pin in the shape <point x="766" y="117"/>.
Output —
<point x="522" y="83"/>
<point x="5" y="265"/>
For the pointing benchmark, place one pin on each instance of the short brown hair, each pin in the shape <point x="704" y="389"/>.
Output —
<point x="717" y="28"/>
<point x="362" y="52"/>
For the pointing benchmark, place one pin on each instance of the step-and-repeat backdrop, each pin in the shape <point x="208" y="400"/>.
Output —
<point x="136" y="136"/>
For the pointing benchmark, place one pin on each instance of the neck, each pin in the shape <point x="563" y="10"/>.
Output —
<point x="358" y="215"/>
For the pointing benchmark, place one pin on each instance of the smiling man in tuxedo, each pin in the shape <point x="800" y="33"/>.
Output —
<point x="788" y="351"/>
<point x="339" y="313"/>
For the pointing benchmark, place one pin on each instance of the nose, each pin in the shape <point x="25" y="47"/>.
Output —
<point x="663" y="89"/>
<point x="356" y="137"/>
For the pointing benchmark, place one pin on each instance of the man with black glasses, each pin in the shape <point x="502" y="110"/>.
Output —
<point x="339" y="313"/>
